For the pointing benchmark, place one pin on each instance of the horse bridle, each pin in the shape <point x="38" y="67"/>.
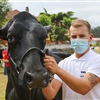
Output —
<point x="18" y="63"/>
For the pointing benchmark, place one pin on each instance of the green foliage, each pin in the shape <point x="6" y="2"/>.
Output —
<point x="60" y="23"/>
<point x="44" y="19"/>
<point x="60" y="32"/>
<point x="66" y="22"/>
<point x="53" y="37"/>
<point x="4" y="8"/>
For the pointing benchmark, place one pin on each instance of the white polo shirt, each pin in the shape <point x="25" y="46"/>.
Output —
<point x="90" y="62"/>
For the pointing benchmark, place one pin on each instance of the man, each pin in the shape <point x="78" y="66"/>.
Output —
<point x="79" y="74"/>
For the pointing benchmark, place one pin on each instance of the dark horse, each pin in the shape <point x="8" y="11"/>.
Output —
<point x="26" y="41"/>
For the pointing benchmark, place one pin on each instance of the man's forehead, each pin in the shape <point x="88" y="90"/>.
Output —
<point x="79" y="29"/>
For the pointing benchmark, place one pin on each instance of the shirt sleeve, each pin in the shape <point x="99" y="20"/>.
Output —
<point x="95" y="68"/>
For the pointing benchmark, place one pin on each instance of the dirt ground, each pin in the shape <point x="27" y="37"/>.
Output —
<point x="3" y="81"/>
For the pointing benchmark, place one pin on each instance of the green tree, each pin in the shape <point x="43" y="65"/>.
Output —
<point x="59" y="22"/>
<point x="44" y="19"/>
<point x="4" y="8"/>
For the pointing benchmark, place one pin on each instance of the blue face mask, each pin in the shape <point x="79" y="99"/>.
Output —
<point x="79" y="45"/>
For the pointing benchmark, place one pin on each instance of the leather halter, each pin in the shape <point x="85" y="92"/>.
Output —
<point x="18" y="63"/>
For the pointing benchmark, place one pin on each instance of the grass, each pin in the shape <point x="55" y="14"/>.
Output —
<point x="3" y="81"/>
<point x="1" y="69"/>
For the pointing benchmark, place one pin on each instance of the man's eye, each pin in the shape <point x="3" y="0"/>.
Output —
<point x="81" y="36"/>
<point x="73" y="37"/>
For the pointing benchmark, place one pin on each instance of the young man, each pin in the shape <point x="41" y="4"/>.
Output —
<point x="79" y="74"/>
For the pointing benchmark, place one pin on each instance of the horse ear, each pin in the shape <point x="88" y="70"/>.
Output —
<point x="3" y="34"/>
<point x="4" y="30"/>
<point x="48" y="28"/>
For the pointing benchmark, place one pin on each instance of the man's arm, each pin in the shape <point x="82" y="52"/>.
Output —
<point x="78" y="85"/>
<point x="51" y="90"/>
<point x="6" y="60"/>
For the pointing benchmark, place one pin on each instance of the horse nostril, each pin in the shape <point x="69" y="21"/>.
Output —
<point x="28" y="77"/>
<point x="36" y="79"/>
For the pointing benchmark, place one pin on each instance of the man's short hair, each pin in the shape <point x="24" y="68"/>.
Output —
<point x="79" y="22"/>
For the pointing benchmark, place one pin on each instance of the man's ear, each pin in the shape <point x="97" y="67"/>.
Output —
<point x="91" y="36"/>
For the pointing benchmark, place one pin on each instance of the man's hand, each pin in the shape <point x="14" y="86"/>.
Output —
<point x="50" y="64"/>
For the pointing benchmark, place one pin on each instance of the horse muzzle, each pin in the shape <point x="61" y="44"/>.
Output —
<point x="36" y="80"/>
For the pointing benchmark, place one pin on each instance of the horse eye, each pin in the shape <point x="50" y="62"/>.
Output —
<point x="43" y="41"/>
<point x="11" y="39"/>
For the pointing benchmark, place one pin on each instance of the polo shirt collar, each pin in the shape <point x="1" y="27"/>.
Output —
<point x="84" y="57"/>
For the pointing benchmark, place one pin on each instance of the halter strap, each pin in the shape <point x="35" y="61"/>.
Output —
<point x="18" y="63"/>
